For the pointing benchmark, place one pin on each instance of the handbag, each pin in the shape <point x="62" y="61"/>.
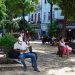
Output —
<point x="13" y="54"/>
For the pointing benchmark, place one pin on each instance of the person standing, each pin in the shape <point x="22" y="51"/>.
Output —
<point x="27" y="37"/>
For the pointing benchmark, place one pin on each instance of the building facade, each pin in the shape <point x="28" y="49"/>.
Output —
<point x="41" y="18"/>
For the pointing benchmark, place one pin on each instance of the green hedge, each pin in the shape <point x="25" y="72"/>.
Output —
<point x="7" y="40"/>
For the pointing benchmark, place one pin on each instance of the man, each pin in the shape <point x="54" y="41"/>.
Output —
<point x="22" y="47"/>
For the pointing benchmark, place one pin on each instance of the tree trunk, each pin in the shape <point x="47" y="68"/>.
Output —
<point x="65" y="18"/>
<point x="24" y="25"/>
<point x="64" y="29"/>
<point x="64" y="26"/>
<point x="11" y="26"/>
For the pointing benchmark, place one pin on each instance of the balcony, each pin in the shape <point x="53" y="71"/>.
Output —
<point x="33" y="22"/>
<point x="39" y="22"/>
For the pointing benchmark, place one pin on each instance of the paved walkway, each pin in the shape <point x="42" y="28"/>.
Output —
<point x="48" y="63"/>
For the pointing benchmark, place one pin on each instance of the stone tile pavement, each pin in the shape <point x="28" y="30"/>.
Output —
<point x="48" y="62"/>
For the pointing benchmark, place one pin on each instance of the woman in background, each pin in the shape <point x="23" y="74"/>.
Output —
<point x="66" y="49"/>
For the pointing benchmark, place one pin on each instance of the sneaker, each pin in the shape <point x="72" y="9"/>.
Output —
<point x="25" y="69"/>
<point x="36" y="70"/>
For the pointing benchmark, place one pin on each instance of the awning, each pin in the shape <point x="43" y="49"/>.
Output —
<point x="70" y="27"/>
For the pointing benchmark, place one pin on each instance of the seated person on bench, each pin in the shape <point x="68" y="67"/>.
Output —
<point x="21" y="47"/>
<point x="66" y="48"/>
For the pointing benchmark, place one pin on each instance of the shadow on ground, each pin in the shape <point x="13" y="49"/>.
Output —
<point x="48" y="60"/>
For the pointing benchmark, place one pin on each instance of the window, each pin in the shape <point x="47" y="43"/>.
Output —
<point x="45" y="1"/>
<point x="32" y="17"/>
<point x="35" y="17"/>
<point x="53" y="15"/>
<point x="38" y="16"/>
<point x="44" y="16"/>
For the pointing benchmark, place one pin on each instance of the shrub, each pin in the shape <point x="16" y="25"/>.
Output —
<point x="52" y="29"/>
<point x="7" y="40"/>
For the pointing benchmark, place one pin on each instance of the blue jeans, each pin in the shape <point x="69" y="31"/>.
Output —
<point x="28" y="55"/>
<point x="31" y="51"/>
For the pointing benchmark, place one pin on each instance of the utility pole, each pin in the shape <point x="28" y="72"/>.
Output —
<point x="51" y="7"/>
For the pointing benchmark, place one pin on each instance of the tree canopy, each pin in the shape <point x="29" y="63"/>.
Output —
<point x="67" y="6"/>
<point x="2" y="9"/>
<point x="18" y="8"/>
<point x="21" y="6"/>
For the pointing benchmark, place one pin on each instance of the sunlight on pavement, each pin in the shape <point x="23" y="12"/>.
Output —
<point x="36" y="42"/>
<point x="72" y="59"/>
<point x="62" y="71"/>
<point x="2" y="55"/>
<point x="44" y="52"/>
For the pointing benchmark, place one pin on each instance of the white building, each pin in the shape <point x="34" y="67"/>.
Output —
<point x="42" y="15"/>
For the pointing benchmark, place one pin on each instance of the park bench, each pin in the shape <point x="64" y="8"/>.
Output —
<point x="46" y="39"/>
<point x="9" y="54"/>
<point x="71" y="44"/>
<point x="4" y="50"/>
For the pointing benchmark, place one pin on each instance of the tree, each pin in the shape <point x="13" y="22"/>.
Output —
<point x="25" y="7"/>
<point x="2" y="13"/>
<point x="67" y="7"/>
<point x="51" y="7"/>
<point x="2" y="9"/>
<point x="52" y="29"/>
<point x="21" y="7"/>
<point x="28" y="27"/>
<point x="68" y="10"/>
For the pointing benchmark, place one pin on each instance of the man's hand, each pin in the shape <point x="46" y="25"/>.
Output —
<point x="22" y="50"/>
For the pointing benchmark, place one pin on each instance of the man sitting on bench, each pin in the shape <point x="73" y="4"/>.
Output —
<point x="22" y="47"/>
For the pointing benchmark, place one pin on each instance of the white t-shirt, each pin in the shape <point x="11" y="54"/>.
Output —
<point x="22" y="46"/>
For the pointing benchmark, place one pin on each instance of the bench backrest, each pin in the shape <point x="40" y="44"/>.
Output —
<point x="5" y="49"/>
